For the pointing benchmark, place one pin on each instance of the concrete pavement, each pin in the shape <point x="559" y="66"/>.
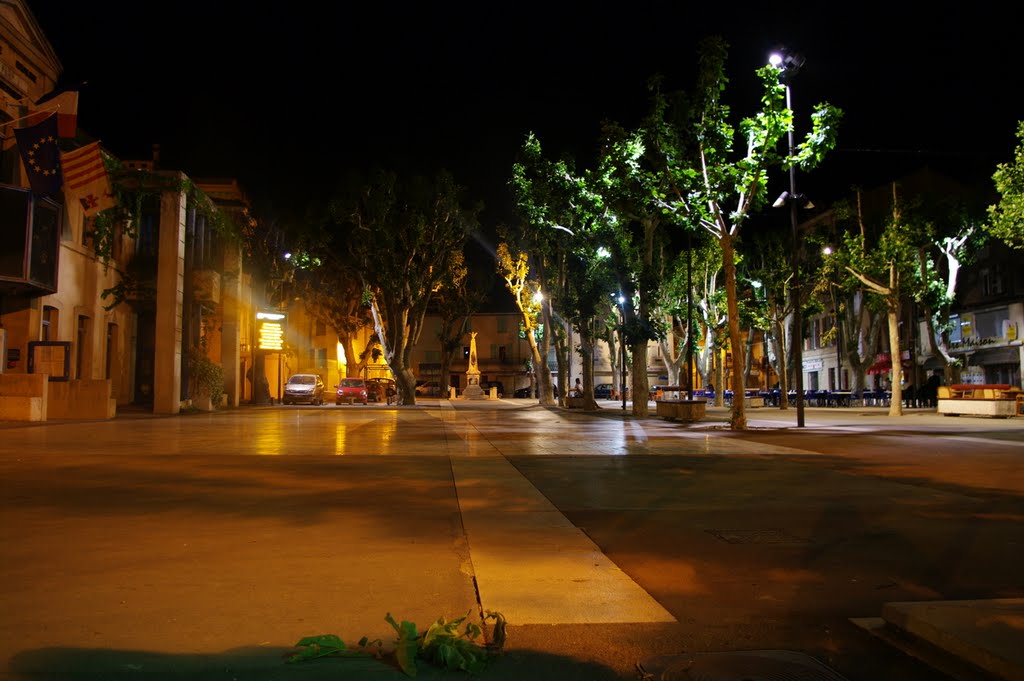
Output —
<point x="205" y="545"/>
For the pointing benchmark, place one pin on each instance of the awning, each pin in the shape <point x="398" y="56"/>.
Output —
<point x="882" y="367"/>
<point x="1007" y="354"/>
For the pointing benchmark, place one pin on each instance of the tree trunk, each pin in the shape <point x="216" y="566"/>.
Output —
<point x="896" y="403"/>
<point x="640" y="386"/>
<point x="587" y="356"/>
<point x="542" y="368"/>
<point x="739" y="416"/>
<point x="781" y="354"/>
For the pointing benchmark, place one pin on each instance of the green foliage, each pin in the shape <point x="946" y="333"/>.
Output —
<point x="442" y="644"/>
<point x="137" y="283"/>
<point x="132" y="189"/>
<point x="205" y="375"/>
<point x="1006" y="218"/>
<point x="326" y="645"/>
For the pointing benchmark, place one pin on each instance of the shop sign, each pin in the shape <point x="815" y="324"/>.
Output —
<point x="271" y="330"/>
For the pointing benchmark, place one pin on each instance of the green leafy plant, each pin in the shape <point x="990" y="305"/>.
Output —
<point x="442" y="644"/>
<point x="206" y="375"/>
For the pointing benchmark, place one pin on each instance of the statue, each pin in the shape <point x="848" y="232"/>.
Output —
<point x="473" y="366"/>
<point x="473" y="390"/>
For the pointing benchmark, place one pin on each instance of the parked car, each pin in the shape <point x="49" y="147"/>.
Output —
<point x="528" y="392"/>
<point x="487" y="385"/>
<point x="351" y="390"/>
<point x="304" y="388"/>
<point x="428" y="388"/>
<point x="380" y="389"/>
<point x="604" y="391"/>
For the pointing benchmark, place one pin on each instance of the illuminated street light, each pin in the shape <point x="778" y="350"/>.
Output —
<point x="622" y="342"/>
<point x="789" y="65"/>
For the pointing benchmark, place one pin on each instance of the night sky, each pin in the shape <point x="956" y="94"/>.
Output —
<point x="286" y="96"/>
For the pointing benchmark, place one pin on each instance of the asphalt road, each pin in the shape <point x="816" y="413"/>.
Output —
<point x="204" y="546"/>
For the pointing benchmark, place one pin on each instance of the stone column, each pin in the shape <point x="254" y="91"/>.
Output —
<point x="231" y="324"/>
<point x="170" y="286"/>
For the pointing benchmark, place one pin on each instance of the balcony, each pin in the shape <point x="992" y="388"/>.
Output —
<point x="206" y="286"/>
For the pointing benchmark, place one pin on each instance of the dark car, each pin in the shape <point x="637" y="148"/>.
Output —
<point x="528" y="392"/>
<point x="604" y="391"/>
<point x="428" y="388"/>
<point x="351" y="390"/>
<point x="380" y="389"/>
<point x="304" y="388"/>
<point x="487" y="385"/>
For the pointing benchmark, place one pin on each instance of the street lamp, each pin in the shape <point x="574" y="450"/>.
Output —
<point x="789" y="65"/>
<point x="622" y="342"/>
<point x="538" y="300"/>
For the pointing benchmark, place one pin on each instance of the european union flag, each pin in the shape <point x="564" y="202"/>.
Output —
<point x="39" y="153"/>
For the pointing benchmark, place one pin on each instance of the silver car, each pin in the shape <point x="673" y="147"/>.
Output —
<point x="304" y="388"/>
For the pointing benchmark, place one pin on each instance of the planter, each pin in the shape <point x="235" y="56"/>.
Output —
<point x="681" y="410"/>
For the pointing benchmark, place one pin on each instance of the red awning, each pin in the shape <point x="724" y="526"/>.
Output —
<point x="882" y="367"/>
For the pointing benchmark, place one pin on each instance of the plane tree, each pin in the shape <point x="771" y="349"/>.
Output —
<point x="630" y="181"/>
<point x="563" y="227"/>
<point x="883" y="258"/>
<point x="514" y="267"/>
<point x="458" y="296"/>
<point x="1006" y="217"/>
<point x="403" y="234"/>
<point x="718" y="188"/>
<point x="331" y="291"/>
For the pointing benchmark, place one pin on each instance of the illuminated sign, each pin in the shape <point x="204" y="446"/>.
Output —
<point x="271" y="330"/>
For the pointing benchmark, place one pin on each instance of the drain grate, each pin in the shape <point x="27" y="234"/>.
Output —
<point x="768" y="536"/>
<point x="748" y="665"/>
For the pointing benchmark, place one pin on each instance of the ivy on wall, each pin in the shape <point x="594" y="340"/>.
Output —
<point x="132" y="190"/>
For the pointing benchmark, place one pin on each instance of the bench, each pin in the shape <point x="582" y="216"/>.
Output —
<point x="997" y="400"/>
<point x="669" y="404"/>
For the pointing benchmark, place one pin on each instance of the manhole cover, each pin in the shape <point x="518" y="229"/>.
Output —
<point x="752" y="665"/>
<point x="768" y="536"/>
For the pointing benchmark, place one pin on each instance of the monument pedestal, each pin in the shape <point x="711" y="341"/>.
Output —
<point x="473" y="390"/>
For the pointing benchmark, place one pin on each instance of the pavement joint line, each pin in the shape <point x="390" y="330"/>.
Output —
<point x="560" y="576"/>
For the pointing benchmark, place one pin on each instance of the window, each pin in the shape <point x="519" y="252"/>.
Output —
<point x="502" y="325"/>
<point x="81" y="348"/>
<point x="111" y="347"/>
<point x="989" y="324"/>
<point x="321" y="329"/>
<point x="321" y="358"/>
<point x="954" y="328"/>
<point x="993" y="280"/>
<point x="25" y="70"/>
<point x="49" y="331"/>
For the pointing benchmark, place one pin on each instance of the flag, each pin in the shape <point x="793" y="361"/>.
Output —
<point x="39" y="153"/>
<point x="63" y="103"/>
<point x="85" y="178"/>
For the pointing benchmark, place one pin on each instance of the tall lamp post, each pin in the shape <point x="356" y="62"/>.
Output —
<point x="622" y="342"/>
<point x="790" y="64"/>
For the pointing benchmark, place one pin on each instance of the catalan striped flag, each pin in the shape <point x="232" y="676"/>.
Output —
<point x="85" y="178"/>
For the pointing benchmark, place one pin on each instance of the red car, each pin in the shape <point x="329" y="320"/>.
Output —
<point x="351" y="390"/>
